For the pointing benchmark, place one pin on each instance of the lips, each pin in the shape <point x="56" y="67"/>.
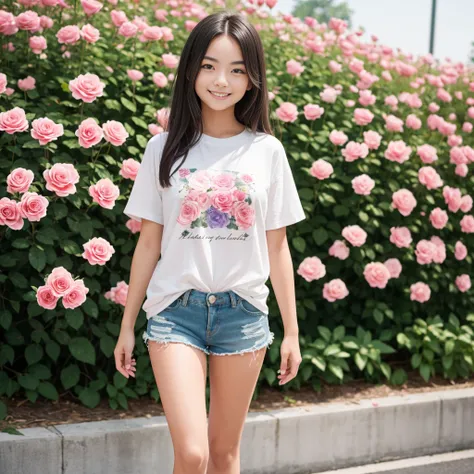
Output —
<point x="216" y="92"/>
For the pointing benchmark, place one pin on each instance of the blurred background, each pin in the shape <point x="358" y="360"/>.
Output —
<point x="404" y="24"/>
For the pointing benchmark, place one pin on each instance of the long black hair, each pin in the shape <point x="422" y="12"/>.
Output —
<point x="185" y="119"/>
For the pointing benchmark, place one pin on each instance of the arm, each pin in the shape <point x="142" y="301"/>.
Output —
<point x="145" y="257"/>
<point x="281" y="276"/>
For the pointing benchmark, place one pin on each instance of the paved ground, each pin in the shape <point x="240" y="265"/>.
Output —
<point x="459" y="462"/>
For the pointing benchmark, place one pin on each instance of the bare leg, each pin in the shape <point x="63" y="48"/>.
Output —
<point x="233" y="379"/>
<point x="180" y="373"/>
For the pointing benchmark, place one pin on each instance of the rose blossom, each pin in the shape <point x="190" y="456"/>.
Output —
<point x="69" y="34"/>
<point x="90" y="34"/>
<point x="452" y="197"/>
<point x="420" y="292"/>
<point x="13" y="121"/>
<point x="45" y="130"/>
<point x="61" y="179"/>
<point x="429" y="177"/>
<point x="104" y="192"/>
<point x="363" y="184"/>
<point x="363" y="116"/>
<point x="33" y="206"/>
<point x="394" y="267"/>
<point x="463" y="282"/>
<point x="60" y="281"/>
<point x="27" y="84"/>
<point x="311" y="268"/>
<point x="134" y="74"/>
<point x="425" y="252"/>
<point x="404" y="201"/>
<point x="467" y="224"/>
<point x="372" y="139"/>
<point x="313" y="111"/>
<point x="337" y="138"/>
<point x="159" y="79"/>
<point x="98" y="251"/>
<point x="438" y="218"/>
<point x="427" y="153"/>
<point x="376" y="274"/>
<point x="28" y="21"/>
<point x="76" y="295"/>
<point x="114" y="132"/>
<point x="321" y="169"/>
<point x="10" y="214"/>
<point x="244" y="214"/>
<point x="353" y="150"/>
<point x="334" y="290"/>
<point x="118" y="17"/>
<point x="189" y="212"/>
<point x="393" y="124"/>
<point x="466" y="203"/>
<point x="460" y="251"/>
<point x="169" y="60"/>
<point x="400" y="236"/>
<point x="287" y="112"/>
<point x="129" y="169"/>
<point x="397" y="151"/>
<point x="89" y="133"/>
<point x="355" y="235"/>
<point x="46" y="298"/>
<point x="91" y="7"/>
<point x="339" y="249"/>
<point x="86" y="87"/>
<point x="19" y="180"/>
<point x="37" y="44"/>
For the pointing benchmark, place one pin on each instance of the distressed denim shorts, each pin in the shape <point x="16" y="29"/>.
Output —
<point x="221" y="323"/>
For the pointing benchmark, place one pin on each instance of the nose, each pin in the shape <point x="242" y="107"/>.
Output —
<point x="220" y="80"/>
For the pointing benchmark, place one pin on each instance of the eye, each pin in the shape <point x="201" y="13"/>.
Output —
<point x="238" y="69"/>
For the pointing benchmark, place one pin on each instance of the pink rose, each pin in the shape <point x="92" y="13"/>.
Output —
<point x="457" y="156"/>
<point x="28" y="21"/>
<point x="33" y="207"/>
<point x="244" y="214"/>
<point x="353" y="150"/>
<point x="321" y="169"/>
<point x="372" y="139"/>
<point x="427" y="153"/>
<point x="420" y="292"/>
<point x="355" y="235"/>
<point x="334" y="290"/>
<point x="223" y="182"/>
<point x="363" y="184"/>
<point x="46" y="298"/>
<point x="128" y="29"/>
<point x="394" y="267"/>
<point x="329" y="94"/>
<point x="130" y="169"/>
<point x="152" y="33"/>
<point x="453" y="198"/>
<point x="169" y="60"/>
<point x="3" y="83"/>
<point x="425" y="252"/>
<point x="134" y="74"/>
<point x="200" y="180"/>
<point x="413" y="122"/>
<point x="13" y="121"/>
<point x="463" y="282"/>
<point x="287" y="112"/>
<point x="376" y="274"/>
<point x="61" y="179"/>
<point x="429" y="177"/>
<point x="467" y="224"/>
<point x="466" y="203"/>
<point x="313" y="111"/>
<point x="114" y="132"/>
<point x="440" y="253"/>
<point x="311" y="268"/>
<point x="239" y="195"/>
<point x="366" y="98"/>
<point x="104" y="193"/>
<point x="160" y="80"/>
<point x="363" y="116"/>
<point x="133" y="225"/>
<point x="118" y="294"/>
<point x="76" y="295"/>
<point x="189" y="212"/>
<point x="45" y="130"/>
<point x="98" y="251"/>
<point x="294" y="68"/>
<point x="438" y="218"/>
<point x="89" y="133"/>
<point x="339" y="249"/>
<point x="60" y="281"/>
<point x="404" y="201"/>
<point x="337" y="138"/>
<point x="460" y="251"/>
<point x="10" y="214"/>
<point x="90" y="34"/>
<point x="246" y="178"/>
<point x="222" y="200"/>
<point x="400" y="236"/>
<point x="118" y="17"/>
<point x="37" y="44"/>
<point x="393" y="124"/>
<point x="27" y="84"/>
<point x="183" y="172"/>
<point x="397" y="151"/>
<point x="86" y="87"/>
<point x="91" y="7"/>
<point x="69" y="34"/>
<point x="19" y="180"/>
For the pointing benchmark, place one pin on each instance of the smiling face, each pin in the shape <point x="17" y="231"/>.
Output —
<point x="222" y="70"/>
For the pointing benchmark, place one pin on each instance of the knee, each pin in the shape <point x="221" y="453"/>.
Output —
<point x="223" y="456"/>
<point x="193" y="459"/>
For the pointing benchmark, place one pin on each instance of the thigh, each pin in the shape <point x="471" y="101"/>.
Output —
<point x="180" y="372"/>
<point x="232" y="382"/>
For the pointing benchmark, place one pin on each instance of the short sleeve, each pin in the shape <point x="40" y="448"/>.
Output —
<point x="284" y="205"/>
<point x="145" y="199"/>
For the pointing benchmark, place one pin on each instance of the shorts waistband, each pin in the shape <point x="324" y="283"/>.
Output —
<point x="220" y="298"/>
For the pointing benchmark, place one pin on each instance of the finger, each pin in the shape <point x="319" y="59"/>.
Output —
<point x="119" y="364"/>
<point x="128" y="360"/>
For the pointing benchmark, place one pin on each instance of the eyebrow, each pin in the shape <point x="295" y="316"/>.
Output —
<point x="216" y="60"/>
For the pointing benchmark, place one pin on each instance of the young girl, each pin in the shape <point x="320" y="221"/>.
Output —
<point x="217" y="219"/>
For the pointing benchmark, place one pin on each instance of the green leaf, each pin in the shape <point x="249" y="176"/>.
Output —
<point x="82" y="350"/>
<point x="71" y="247"/>
<point x="319" y="363"/>
<point x="48" y="390"/>
<point x="53" y="350"/>
<point x="107" y="345"/>
<point x="320" y="235"/>
<point x="90" y="308"/>
<point x="47" y="235"/>
<point x="325" y="333"/>
<point x="331" y="350"/>
<point x="70" y="376"/>
<point x="113" y="105"/>
<point x="90" y="398"/>
<point x="425" y="371"/>
<point x="399" y="377"/>
<point x="128" y="104"/>
<point x="21" y="244"/>
<point x="74" y="318"/>
<point x="270" y="375"/>
<point x="386" y="370"/>
<point x="37" y="258"/>
<point x="5" y="319"/>
<point x="299" y="244"/>
<point x="141" y="123"/>
<point x="415" y="360"/>
<point x="141" y="140"/>
<point x="340" y="211"/>
<point x="3" y="410"/>
<point x="337" y="371"/>
<point x="119" y="380"/>
<point x="28" y="381"/>
<point x="33" y="353"/>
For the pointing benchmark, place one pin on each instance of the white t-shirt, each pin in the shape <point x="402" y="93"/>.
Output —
<point x="228" y="192"/>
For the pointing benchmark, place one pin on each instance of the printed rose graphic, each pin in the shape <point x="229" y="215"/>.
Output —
<point x="216" y="199"/>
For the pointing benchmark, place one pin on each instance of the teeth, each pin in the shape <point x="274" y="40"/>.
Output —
<point x="219" y="95"/>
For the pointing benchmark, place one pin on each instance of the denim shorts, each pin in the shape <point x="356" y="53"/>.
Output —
<point x="221" y="323"/>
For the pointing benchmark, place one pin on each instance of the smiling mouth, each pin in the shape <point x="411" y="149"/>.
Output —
<point x="218" y="96"/>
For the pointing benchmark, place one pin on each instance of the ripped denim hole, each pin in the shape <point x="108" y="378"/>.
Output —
<point x="160" y="332"/>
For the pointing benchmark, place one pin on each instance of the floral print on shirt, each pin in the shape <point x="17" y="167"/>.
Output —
<point x="216" y="199"/>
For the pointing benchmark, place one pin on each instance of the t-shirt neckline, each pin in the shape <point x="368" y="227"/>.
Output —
<point x="227" y="140"/>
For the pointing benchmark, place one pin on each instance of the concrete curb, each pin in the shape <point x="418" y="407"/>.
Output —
<point x="289" y="441"/>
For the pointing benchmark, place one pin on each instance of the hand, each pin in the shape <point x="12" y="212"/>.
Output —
<point x="290" y="358"/>
<point x="123" y="353"/>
